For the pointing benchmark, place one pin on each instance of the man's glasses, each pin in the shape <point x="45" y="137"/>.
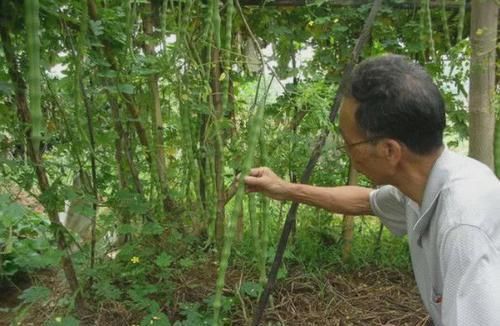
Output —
<point x="348" y="147"/>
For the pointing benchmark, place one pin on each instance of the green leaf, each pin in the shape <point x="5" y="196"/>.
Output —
<point x="35" y="294"/>
<point x="139" y="295"/>
<point x="109" y="291"/>
<point x="8" y="268"/>
<point x="163" y="260"/>
<point x="4" y="200"/>
<point x="108" y="73"/>
<point x="152" y="229"/>
<point x="6" y="88"/>
<point x="282" y="273"/>
<point x="64" y="321"/>
<point x="157" y="318"/>
<point x="193" y="317"/>
<point x="339" y="28"/>
<point x="147" y="71"/>
<point x="27" y="257"/>
<point x="126" y="88"/>
<point x="125" y="229"/>
<point x="251" y="289"/>
<point x="186" y="262"/>
<point x="96" y="27"/>
<point x="11" y="214"/>
<point x="320" y="20"/>
<point x="227" y="302"/>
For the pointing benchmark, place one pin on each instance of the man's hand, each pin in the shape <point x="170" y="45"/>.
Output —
<point x="264" y="180"/>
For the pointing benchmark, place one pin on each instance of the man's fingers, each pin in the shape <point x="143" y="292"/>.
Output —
<point x="251" y="181"/>
<point x="257" y="172"/>
<point x="258" y="179"/>
<point x="254" y="172"/>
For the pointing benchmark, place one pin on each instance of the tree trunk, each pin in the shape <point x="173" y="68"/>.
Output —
<point x="124" y="152"/>
<point x="120" y="148"/>
<point x="483" y="34"/>
<point x="156" y="116"/>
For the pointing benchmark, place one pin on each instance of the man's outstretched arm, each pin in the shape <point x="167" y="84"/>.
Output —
<point x="350" y="200"/>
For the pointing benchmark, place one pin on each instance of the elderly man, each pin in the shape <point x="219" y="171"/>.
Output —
<point x="392" y="122"/>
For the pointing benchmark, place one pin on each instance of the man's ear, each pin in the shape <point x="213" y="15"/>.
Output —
<point x="391" y="150"/>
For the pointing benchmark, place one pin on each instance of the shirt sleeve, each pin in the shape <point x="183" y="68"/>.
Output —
<point x="389" y="204"/>
<point x="470" y="265"/>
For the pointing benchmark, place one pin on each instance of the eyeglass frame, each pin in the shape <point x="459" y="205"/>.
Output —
<point x="348" y="147"/>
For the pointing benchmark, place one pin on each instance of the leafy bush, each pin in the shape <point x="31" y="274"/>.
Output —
<point x="25" y="241"/>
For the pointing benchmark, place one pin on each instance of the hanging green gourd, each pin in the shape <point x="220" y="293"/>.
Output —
<point x="216" y="22"/>
<point x="444" y="19"/>
<point x="264" y="204"/>
<point x="258" y="222"/>
<point x="461" y="19"/>
<point x="229" y="233"/>
<point x="254" y="227"/>
<point x="421" y="33"/>
<point x="34" y="90"/>
<point x="253" y="138"/>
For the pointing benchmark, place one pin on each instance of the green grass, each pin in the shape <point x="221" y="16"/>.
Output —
<point x="317" y="245"/>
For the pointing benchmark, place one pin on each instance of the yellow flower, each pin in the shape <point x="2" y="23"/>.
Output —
<point x="135" y="260"/>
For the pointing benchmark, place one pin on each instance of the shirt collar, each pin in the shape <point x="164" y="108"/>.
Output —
<point x="435" y="183"/>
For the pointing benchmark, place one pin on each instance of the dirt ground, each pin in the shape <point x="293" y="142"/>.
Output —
<point x="366" y="297"/>
<point x="9" y="290"/>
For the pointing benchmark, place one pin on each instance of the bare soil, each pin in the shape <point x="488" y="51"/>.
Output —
<point x="366" y="297"/>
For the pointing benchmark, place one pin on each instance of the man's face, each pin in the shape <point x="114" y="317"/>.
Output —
<point x="365" y="155"/>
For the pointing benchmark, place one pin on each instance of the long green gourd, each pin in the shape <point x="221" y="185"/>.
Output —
<point x="264" y="204"/>
<point x="32" y="28"/>
<point x="229" y="233"/>
<point x="444" y="19"/>
<point x="253" y="137"/>
<point x="429" y="29"/>
<point x="421" y="32"/>
<point x="216" y="22"/>
<point x="254" y="227"/>
<point x="258" y="226"/>
<point x="461" y="18"/>
<point x="227" y="52"/>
